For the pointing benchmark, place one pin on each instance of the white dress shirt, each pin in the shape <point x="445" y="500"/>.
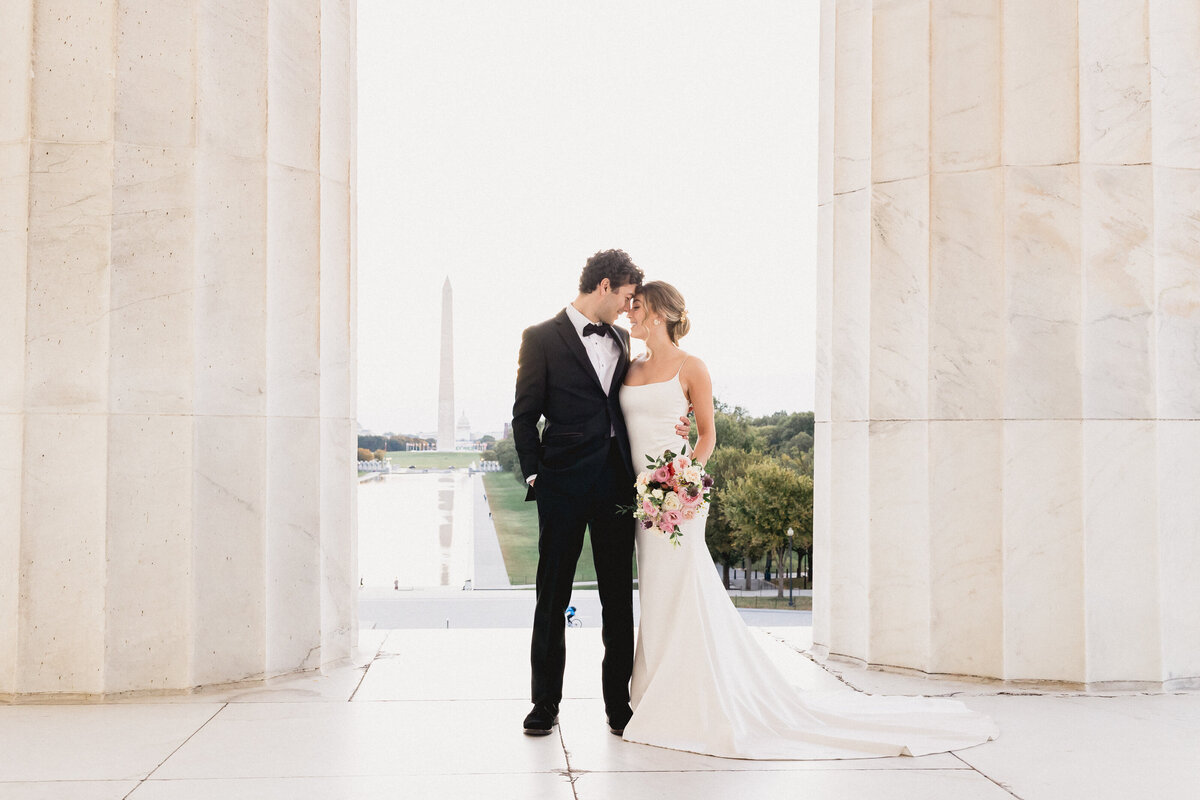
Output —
<point x="603" y="351"/>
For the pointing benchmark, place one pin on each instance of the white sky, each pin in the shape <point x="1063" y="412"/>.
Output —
<point x="502" y="142"/>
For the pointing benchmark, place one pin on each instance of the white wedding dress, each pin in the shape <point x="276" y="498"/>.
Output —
<point x="701" y="683"/>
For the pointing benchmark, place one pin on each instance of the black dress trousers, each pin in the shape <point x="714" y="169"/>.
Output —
<point x="562" y="519"/>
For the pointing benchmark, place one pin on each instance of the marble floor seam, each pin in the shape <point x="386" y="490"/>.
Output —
<point x="968" y="768"/>
<point x="570" y="773"/>
<point x="998" y="784"/>
<point x="366" y="669"/>
<point x="182" y="744"/>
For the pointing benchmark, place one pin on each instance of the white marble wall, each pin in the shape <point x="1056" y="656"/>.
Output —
<point x="1009" y="338"/>
<point x="177" y="339"/>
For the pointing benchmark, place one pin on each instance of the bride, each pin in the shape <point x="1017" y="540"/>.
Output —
<point x="701" y="683"/>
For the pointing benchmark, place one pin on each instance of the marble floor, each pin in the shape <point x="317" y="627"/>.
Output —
<point x="429" y="713"/>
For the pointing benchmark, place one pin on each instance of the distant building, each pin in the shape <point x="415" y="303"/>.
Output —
<point x="466" y="438"/>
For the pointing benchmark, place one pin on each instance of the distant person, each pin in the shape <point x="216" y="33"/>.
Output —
<point x="579" y="471"/>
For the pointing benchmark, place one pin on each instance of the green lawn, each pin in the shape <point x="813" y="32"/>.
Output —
<point x="517" y="528"/>
<point x="753" y="601"/>
<point x="429" y="459"/>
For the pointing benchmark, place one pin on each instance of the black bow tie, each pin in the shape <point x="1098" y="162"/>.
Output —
<point x="592" y="329"/>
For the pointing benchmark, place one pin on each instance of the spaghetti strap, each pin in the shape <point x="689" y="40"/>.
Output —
<point x="681" y="363"/>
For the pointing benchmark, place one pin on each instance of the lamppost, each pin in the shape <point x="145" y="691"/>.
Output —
<point x="790" y="534"/>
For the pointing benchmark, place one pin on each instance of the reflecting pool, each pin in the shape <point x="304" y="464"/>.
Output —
<point x="416" y="530"/>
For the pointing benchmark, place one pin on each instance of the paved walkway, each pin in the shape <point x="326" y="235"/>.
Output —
<point x="436" y="714"/>
<point x="490" y="572"/>
<point x="512" y="608"/>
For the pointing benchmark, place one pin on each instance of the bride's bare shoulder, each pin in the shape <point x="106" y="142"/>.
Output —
<point x="694" y="374"/>
<point x="693" y="365"/>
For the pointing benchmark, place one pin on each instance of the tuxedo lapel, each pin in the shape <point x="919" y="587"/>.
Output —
<point x="569" y="335"/>
<point x="622" y="363"/>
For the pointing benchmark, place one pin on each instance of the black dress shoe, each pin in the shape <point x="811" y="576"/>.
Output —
<point x="618" y="718"/>
<point x="541" y="720"/>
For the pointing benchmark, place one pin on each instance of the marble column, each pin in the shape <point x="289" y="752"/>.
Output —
<point x="177" y="339"/>
<point x="1008" y="405"/>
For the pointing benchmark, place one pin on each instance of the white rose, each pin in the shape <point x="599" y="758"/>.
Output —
<point x="672" y="502"/>
<point x="692" y="475"/>
<point x="657" y="494"/>
<point x="641" y="489"/>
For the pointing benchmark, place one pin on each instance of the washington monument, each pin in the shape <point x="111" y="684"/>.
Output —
<point x="445" y="435"/>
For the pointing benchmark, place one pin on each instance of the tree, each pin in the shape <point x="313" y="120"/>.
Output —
<point x="733" y="428"/>
<point x="487" y="438"/>
<point x="506" y="455"/>
<point x="764" y="503"/>
<point x="381" y="455"/>
<point x="726" y="465"/>
<point x="390" y="442"/>
<point x="365" y="455"/>
<point x="786" y="434"/>
<point x="371" y="442"/>
<point x="802" y="464"/>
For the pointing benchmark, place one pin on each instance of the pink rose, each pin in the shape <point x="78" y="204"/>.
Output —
<point x="662" y="475"/>
<point x="690" y="501"/>
<point x="648" y="508"/>
<point x="668" y="521"/>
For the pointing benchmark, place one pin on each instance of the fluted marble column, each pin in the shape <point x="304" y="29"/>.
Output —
<point x="1008" y="404"/>
<point x="177" y="342"/>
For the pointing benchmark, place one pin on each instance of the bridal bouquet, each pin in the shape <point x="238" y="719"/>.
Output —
<point x="671" y="489"/>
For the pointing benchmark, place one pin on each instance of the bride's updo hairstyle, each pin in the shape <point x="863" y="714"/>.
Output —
<point x="666" y="301"/>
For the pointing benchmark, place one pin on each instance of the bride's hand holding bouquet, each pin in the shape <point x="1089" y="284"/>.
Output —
<point x="671" y="489"/>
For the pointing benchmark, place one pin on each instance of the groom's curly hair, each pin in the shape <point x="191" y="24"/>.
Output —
<point x="616" y="265"/>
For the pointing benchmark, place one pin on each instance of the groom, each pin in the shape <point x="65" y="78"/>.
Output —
<point x="570" y="371"/>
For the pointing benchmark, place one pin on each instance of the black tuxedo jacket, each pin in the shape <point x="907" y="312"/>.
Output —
<point x="556" y="380"/>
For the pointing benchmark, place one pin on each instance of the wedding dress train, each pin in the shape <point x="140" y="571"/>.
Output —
<point x="701" y="683"/>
